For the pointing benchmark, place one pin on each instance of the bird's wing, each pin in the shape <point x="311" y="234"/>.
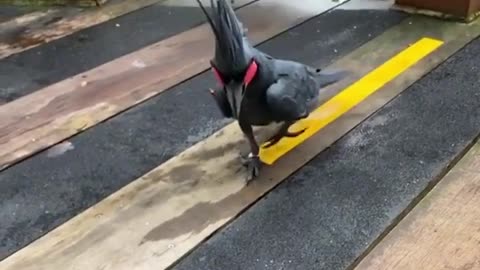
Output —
<point x="285" y="101"/>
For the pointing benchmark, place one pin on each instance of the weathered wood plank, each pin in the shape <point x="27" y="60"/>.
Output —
<point x="442" y="232"/>
<point x="81" y="3"/>
<point x="34" y="122"/>
<point x="153" y="221"/>
<point x="74" y="20"/>
<point x="464" y="10"/>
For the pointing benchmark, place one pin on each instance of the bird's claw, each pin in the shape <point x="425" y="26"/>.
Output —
<point x="271" y="142"/>
<point x="294" y="134"/>
<point x="277" y="137"/>
<point x="253" y="165"/>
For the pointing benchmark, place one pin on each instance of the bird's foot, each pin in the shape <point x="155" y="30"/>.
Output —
<point x="253" y="165"/>
<point x="277" y="137"/>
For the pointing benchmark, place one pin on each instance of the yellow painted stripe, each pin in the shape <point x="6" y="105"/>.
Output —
<point x="351" y="96"/>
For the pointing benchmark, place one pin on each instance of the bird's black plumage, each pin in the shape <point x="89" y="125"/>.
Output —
<point x="257" y="89"/>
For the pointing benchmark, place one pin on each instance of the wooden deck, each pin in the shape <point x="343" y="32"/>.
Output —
<point x="443" y="231"/>
<point x="164" y="214"/>
<point x="50" y="115"/>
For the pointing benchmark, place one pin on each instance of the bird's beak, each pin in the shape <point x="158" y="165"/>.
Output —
<point x="235" y="93"/>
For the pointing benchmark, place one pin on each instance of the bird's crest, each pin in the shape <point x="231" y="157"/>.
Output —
<point x="231" y="60"/>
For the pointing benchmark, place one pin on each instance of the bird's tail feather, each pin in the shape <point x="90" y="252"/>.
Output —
<point x="325" y="79"/>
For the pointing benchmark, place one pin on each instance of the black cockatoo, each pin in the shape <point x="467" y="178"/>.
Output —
<point x="257" y="89"/>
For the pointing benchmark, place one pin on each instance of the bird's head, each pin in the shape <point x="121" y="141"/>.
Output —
<point x="235" y="83"/>
<point x="233" y="64"/>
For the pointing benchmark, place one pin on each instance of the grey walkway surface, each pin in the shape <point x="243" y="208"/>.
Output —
<point x="33" y="69"/>
<point x="44" y="191"/>
<point x="322" y="217"/>
<point x="330" y="211"/>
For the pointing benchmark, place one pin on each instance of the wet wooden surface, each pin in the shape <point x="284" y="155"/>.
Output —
<point x="126" y="231"/>
<point x="34" y="122"/>
<point x="33" y="29"/>
<point x="80" y="3"/>
<point x="442" y="232"/>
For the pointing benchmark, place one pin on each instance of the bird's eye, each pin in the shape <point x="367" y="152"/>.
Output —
<point x="251" y="72"/>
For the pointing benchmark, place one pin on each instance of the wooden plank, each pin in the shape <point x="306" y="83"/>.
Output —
<point x="33" y="29"/>
<point x="36" y="3"/>
<point x="74" y="20"/>
<point x="442" y="232"/>
<point x="471" y="161"/>
<point x="465" y="10"/>
<point x="155" y="220"/>
<point x="34" y="122"/>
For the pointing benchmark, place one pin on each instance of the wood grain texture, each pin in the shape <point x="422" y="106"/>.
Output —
<point x="48" y="116"/>
<point x="74" y="20"/>
<point x="35" y="3"/>
<point x="442" y="232"/>
<point x="155" y="220"/>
